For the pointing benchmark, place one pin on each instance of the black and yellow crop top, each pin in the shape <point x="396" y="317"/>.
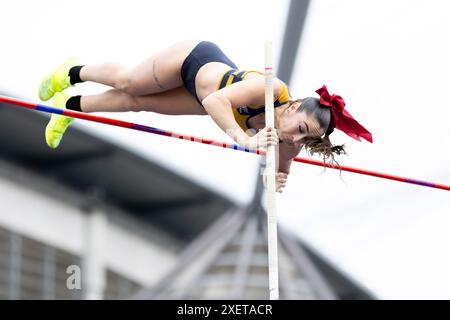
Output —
<point x="244" y="113"/>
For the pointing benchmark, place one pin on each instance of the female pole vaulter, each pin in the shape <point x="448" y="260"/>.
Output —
<point x="195" y="77"/>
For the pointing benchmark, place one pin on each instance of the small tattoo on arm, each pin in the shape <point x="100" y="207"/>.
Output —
<point x="155" y="77"/>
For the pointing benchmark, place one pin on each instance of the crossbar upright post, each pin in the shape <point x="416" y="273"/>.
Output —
<point x="270" y="170"/>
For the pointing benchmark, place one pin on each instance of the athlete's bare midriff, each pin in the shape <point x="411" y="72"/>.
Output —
<point x="209" y="76"/>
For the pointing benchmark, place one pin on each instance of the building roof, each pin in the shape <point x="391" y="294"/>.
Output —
<point x="101" y="169"/>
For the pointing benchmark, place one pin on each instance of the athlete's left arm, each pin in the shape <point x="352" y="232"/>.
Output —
<point x="286" y="152"/>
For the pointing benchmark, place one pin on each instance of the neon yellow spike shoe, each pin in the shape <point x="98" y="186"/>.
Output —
<point x="58" y="124"/>
<point x="57" y="81"/>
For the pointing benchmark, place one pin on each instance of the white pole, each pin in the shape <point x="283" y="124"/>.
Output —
<point x="270" y="178"/>
<point x="93" y="271"/>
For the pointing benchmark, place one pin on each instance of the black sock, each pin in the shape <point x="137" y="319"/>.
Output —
<point x="74" y="103"/>
<point x="74" y="74"/>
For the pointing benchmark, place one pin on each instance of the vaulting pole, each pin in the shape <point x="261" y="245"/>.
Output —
<point x="270" y="171"/>
<point x="153" y="130"/>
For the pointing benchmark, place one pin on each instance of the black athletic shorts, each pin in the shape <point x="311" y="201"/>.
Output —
<point x="202" y="54"/>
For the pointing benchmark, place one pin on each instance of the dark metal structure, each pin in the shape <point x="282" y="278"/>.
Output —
<point x="298" y="10"/>
<point x="229" y="260"/>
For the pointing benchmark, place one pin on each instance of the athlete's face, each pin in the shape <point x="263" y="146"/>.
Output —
<point x="295" y="126"/>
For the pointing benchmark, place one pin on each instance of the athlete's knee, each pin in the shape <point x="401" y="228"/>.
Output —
<point x="127" y="83"/>
<point x="134" y="104"/>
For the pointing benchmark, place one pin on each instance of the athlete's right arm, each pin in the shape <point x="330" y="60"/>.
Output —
<point x="220" y="106"/>
<point x="220" y="110"/>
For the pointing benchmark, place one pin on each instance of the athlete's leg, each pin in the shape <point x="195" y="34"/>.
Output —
<point x="176" y="101"/>
<point x="158" y="73"/>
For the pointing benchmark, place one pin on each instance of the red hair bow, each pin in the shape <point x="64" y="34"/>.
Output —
<point x="341" y="119"/>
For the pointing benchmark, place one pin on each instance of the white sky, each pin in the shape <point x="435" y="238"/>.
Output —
<point x="388" y="59"/>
